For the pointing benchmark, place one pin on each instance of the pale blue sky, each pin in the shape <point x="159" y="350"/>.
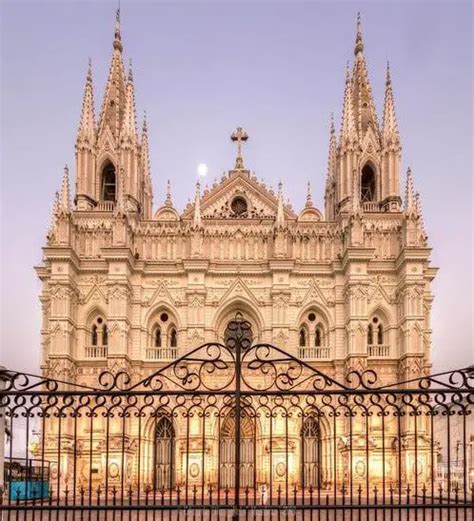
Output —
<point x="203" y="68"/>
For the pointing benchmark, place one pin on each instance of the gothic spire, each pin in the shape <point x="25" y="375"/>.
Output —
<point x="390" y="132"/>
<point x="362" y="99"/>
<point x="129" y="128"/>
<point x="113" y="105"/>
<point x="86" y="129"/>
<point x="197" y="206"/>
<point x="65" y="196"/>
<point x="280" y="216"/>
<point x="348" y="127"/>
<point x="410" y="198"/>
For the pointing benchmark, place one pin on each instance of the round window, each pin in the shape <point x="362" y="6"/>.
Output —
<point x="311" y="317"/>
<point x="164" y="317"/>
<point x="239" y="205"/>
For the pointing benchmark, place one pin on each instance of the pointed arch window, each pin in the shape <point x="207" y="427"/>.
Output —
<point x="370" y="335"/>
<point x="94" y="336"/>
<point x="157" y="340"/>
<point x="99" y="334"/>
<point x="375" y="332"/>
<point x="303" y="337"/>
<point x="318" y="337"/>
<point x="380" y="334"/>
<point x="367" y="184"/>
<point x="109" y="183"/>
<point x="173" y="338"/>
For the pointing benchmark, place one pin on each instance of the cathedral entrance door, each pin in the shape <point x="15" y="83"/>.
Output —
<point x="164" y="454"/>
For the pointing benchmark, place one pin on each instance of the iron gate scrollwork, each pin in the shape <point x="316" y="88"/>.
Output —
<point x="237" y="430"/>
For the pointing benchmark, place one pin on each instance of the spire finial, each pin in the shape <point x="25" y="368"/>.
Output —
<point x="89" y="69"/>
<point x="117" y="36"/>
<point x="239" y="136"/>
<point x="388" y="79"/>
<point x="168" y="201"/>
<point x="359" y="46"/>
<point x="309" y="200"/>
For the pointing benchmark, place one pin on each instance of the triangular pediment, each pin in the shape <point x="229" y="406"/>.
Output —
<point x="261" y="201"/>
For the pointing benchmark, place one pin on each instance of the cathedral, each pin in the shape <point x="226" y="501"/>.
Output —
<point x="129" y="285"/>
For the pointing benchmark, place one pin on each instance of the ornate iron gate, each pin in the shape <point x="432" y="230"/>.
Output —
<point x="237" y="431"/>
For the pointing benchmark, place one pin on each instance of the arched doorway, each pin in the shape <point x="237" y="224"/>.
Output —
<point x="227" y="451"/>
<point x="311" y="453"/>
<point x="164" y="454"/>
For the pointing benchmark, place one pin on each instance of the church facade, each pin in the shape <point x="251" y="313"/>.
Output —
<point x="129" y="288"/>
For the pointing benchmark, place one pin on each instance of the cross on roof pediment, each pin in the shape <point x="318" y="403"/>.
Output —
<point x="216" y="203"/>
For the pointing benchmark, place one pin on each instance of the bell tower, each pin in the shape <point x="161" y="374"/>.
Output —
<point x="112" y="165"/>
<point x="365" y="163"/>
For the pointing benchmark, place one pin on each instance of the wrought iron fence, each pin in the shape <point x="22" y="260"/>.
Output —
<point x="237" y="431"/>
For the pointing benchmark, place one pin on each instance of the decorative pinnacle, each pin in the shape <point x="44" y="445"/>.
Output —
<point x="145" y="126"/>
<point x="117" y="38"/>
<point x="359" y="46"/>
<point x="280" y="216"/>
<point x="410" y="197"/>
<point x="168" y="201"/>
<point x="240" y="136"/>
<point x="309" y="201"/>
<point x="130" y="70"/>
<point x="65" y="199"/>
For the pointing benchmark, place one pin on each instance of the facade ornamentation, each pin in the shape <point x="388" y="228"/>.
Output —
<point x="130" y="289"/>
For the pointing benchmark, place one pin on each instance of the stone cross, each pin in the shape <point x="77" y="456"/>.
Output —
<point x="239" y="135"/>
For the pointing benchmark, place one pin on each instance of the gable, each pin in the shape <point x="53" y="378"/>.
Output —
<point x="261" y="202"/>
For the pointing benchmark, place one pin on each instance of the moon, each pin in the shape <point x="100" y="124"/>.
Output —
<point x="202" y="169"/>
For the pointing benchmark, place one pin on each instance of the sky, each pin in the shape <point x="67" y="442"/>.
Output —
<point x="203" y="68"/>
